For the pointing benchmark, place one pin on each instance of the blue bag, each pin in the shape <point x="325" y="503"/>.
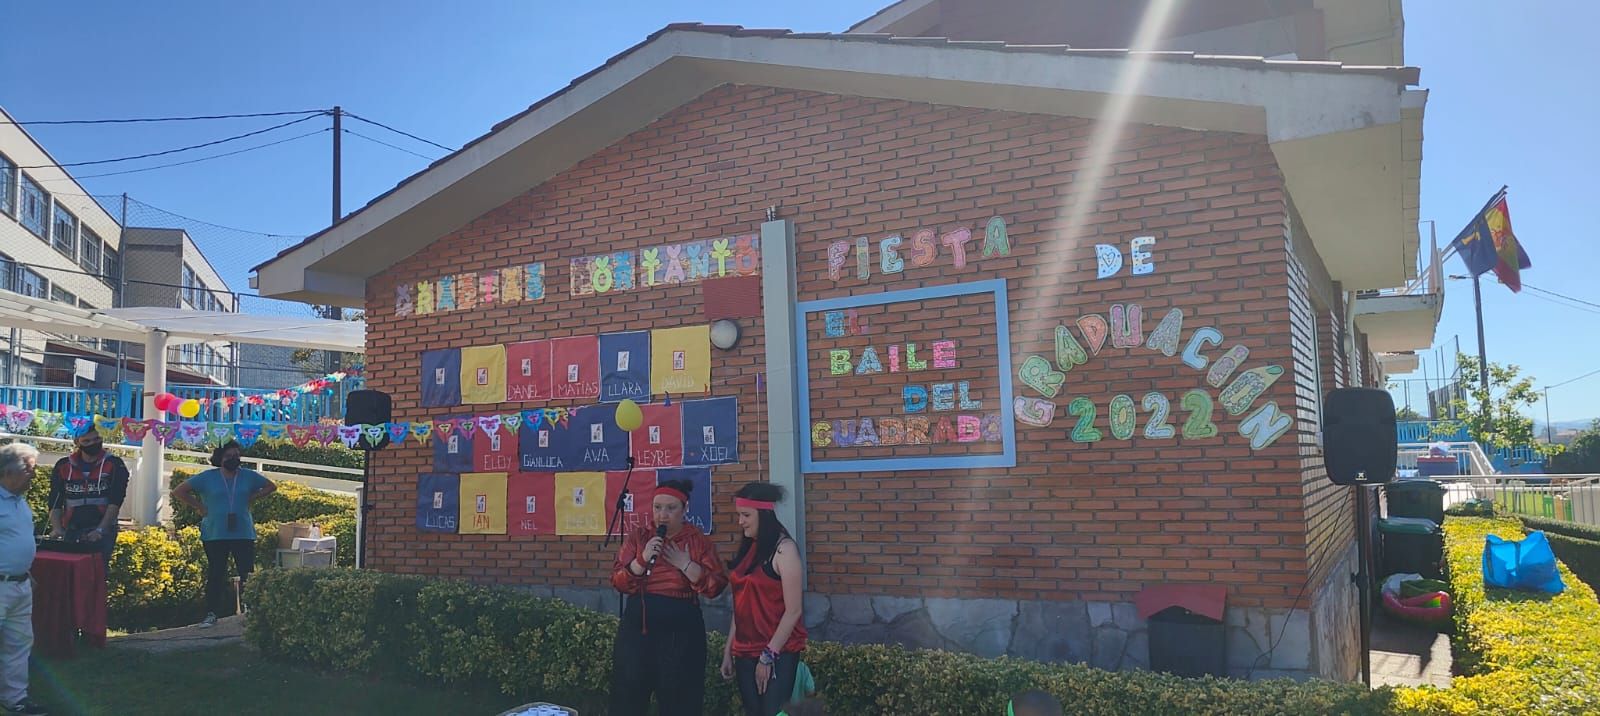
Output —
<point x="1527" y="564"/>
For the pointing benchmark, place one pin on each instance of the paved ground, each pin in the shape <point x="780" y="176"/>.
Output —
<point x="1408" y="655"/>
<point x="229" y="630"/>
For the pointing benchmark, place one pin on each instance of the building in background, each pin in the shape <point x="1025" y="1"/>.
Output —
<point x="166" y="269"/>
<point x="56" y="243"/>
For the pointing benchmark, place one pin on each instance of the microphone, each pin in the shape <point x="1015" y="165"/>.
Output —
<point x="661" y="531"/>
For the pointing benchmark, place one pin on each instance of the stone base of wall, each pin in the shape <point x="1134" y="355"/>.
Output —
<point x="1106" y="635"/>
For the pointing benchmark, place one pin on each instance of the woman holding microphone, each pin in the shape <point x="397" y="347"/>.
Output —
<point x="767" y="635"/>
<point x="661" y="640"/>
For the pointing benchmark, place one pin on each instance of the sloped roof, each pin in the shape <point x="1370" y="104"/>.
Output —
<point x="680" y="61"/>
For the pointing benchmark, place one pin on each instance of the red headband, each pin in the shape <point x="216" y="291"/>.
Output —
<point x="753" y="504"/>
<point x="681" y="495"/>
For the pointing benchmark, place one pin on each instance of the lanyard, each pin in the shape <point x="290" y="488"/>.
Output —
<point x="231" y="486"/>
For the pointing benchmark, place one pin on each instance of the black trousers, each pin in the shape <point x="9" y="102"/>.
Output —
<point x="669" y="662"/>
<point x="243" y="552"/>
<point x="780" y="689"/>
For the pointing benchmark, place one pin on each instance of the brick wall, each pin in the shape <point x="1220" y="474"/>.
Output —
<point x="1075" y="520"/>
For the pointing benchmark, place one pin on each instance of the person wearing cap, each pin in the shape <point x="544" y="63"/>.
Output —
<point x="660" y="648"/>
<point x="86" y="493"/>
<point x="767" y="635"/>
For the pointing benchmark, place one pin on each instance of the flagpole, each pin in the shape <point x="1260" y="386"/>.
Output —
<point x="1483" y="354"/>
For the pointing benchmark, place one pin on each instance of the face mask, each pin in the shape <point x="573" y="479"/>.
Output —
<point x="231" y="463"/>
<point x="92" y="450"/>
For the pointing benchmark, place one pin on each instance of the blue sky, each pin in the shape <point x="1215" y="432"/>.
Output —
<point x="1511" y="104"/>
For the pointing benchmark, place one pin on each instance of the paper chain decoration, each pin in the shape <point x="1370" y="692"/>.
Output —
<point x="206" y="434"/>
<point x="285" y="395"/>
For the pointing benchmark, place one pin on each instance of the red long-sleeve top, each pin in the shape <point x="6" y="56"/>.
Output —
<point x="666" y="580"/>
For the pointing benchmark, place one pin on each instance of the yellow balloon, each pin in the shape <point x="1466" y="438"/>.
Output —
<point x="629" y="416"/>
<point x="189" y="408"/>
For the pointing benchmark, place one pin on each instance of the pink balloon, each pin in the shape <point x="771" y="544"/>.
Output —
<point x="165" y="401"/>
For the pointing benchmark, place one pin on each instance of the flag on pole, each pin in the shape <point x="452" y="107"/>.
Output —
<point x="1488" y="244"/>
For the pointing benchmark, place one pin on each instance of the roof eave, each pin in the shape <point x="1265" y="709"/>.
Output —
<point x="1285" y="102"/>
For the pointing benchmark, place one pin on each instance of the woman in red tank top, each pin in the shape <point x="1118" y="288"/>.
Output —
<point x="767" y="634"/>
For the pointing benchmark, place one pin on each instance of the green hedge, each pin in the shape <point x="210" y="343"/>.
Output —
<point x="1523" y="653"/>
<point x="1560" y="527"/>
<point x="292" y="502"/>
<point x="155" y="579"/>
<point x="543" y="649"/>
<point x="330" y="455"/>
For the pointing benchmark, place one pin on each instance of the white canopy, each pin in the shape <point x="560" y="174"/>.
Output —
<point x="181" y="325"/>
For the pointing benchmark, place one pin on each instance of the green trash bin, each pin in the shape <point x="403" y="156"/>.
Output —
<point x="1416" y="498"/>
<point x="1411" y="546"/>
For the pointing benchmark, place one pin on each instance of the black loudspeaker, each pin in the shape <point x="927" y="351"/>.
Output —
<point x="1359" y="443"/>
<point x="369" y="407"/>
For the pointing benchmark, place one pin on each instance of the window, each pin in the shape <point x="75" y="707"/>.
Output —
<point x="30" y="283"/>
<point x="8" y="273"/>
<point x="189" y="293"/>
<point x="111" y="266"/>
<point x="89" y="253"/>
<point x="35" y="207"/>
<point x="61" y="295"/>
<point x="65" y="234"/>
<point x="8" y="187"/>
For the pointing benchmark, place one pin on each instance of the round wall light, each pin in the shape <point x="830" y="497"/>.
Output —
<point x="724" y="334"/>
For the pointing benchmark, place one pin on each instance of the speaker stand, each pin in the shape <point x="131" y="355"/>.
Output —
<point x="1363" y="578"/>
<point x="366" y="508"/>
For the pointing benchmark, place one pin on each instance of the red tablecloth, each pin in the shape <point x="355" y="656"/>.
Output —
<point x="69" y="594"/>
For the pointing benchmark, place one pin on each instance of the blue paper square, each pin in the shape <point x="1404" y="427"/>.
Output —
<point x="595" y="441"/>
<point x="438" y="502"/>
<point x="624" y="366"/>
<point x="441" y="378"/>
<point x="543" y="447"/>
<point x="699" y="499"/>
<point x="453" y="452"/>
<point x="710" y="431"/>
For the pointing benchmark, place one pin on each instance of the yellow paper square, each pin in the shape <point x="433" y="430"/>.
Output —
<point x="483" y="375"/>
<point x="483" y="503"/>
<point x="680" y="360"/>
<point x="580" y="503"/>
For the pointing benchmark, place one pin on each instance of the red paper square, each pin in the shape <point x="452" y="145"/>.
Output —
<point x="733" y="297"/>
<point x="494" y="453"/>
<point x="659" y="440"/>
<point x="643" y="488"/>
<point x="528" y="371"/>
<point x="541" y="488"/>
<point x="575" y="367"/>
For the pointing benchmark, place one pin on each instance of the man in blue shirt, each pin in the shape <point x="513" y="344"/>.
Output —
<point x="17" y="463"/>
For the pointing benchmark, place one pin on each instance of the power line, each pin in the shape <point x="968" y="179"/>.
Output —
<point x="162" y="119"/>
<point x="1574" y="380"/>
<point x="1560" y="295"/>
<point x="386" y="144"/>
<point x="181" y="149"/>
<point x="201" y="159"/>
<point x="396" y="131"/>
<point x="1564" y="304"/>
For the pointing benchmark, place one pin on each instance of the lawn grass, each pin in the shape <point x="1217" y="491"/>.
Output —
<point x="232" y="679"/>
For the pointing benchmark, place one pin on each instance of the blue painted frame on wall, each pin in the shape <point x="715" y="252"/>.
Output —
<point x="1002" y="316"/>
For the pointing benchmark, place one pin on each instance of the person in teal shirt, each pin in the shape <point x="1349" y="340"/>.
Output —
<point x="222" y="496"/>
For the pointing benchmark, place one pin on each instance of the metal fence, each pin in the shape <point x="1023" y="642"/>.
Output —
<point x="1570" y="498"/>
